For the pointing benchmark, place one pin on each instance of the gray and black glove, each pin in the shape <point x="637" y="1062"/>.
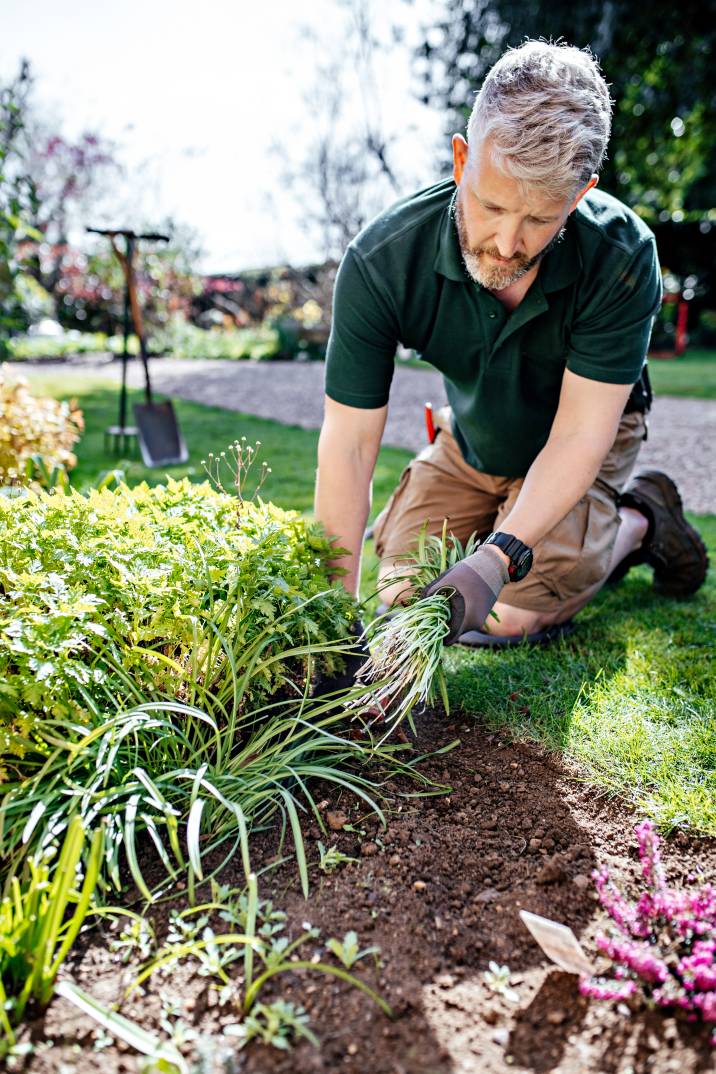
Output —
<point x="354" y="660"/>
<point x="476" y="583"/>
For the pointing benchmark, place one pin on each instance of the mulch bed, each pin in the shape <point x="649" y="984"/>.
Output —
<point x="439" y="892"/>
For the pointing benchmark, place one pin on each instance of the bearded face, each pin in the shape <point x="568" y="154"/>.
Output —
<point x="505" y="226"/>
<point x="484" y="263"/>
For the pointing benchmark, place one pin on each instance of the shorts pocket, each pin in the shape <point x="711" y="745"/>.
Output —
<point x="576" y="554"/>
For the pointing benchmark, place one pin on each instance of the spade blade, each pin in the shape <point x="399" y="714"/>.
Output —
<point x="160" y="439"/>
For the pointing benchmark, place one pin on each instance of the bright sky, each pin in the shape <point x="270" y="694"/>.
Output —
<point x="196" y="95"/>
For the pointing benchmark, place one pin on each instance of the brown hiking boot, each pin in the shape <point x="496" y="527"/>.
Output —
<point x="671" y="546"/>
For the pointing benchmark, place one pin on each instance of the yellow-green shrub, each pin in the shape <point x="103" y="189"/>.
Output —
<point x="34" y="426"/>
<point x="124" y="590"/>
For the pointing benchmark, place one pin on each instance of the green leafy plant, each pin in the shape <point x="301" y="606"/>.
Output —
<point x="126" y="595"/>
<point x="332" y="858"/>
<point x="186" y="613"/>
<point x="348" y="949"/>
<point x="39" y="920"/>
<point x="279" y="1024"/>
<point x="137" y="939"/>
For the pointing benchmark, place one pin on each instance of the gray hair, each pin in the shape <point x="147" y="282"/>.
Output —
<point x="547" y="112"/>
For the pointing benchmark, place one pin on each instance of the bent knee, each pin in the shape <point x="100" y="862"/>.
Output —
<point x="514" y="621"/>
<point x="394" y="584"/>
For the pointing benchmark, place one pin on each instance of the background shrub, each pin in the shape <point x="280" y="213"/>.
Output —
<point x="34" y="426"/>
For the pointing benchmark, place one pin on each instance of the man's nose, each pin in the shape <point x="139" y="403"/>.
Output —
<point x="507" y="238"/>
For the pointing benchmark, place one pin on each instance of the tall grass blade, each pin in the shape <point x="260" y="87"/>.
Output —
<point x="297" y="840"/>
<point x="193" y="831"/>
<point x="251" y="915"/>
<point x="121" y="1027"/>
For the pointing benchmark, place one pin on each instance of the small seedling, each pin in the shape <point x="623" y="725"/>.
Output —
<point x="497" y="979"/>
<point x="332" y="858"/>
<point x="137" y="938"/>
<point x="277" y="1024"/>
<point x="234" y="910"/>
<point x="102" y="1039"/>
<point x="213" y="959"/>
<point x="172" y="1022"/>
<point x="185" y="927"/>
<point x="348" y="950"/>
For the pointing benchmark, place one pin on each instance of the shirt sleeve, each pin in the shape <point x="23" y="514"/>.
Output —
<point x="360" y="359"/>
<point x="610" y="338"/>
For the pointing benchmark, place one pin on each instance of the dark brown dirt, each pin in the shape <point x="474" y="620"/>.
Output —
<point x="439" y="892"/>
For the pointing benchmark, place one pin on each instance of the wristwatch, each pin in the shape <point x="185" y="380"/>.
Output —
<point x="520" y="554"/>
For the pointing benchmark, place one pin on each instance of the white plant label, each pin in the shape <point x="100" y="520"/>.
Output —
<point x="558" y="943"/>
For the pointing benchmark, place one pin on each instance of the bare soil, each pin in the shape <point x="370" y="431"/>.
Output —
<point x="439" y="891"/>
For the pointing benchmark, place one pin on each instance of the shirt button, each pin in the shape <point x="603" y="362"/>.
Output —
<point x="492" y="316"/>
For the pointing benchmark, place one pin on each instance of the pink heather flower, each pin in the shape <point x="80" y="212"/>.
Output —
<point x="601" y="989"/>
<point x="649" y="856"/>
<point x="706" y="1003"/>
<point x="637" y="957"/>
<point x="668" y="940"/>
<point x="614" y="902"/>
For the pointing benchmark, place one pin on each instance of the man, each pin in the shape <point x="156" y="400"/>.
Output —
<point x="534" y="294"/>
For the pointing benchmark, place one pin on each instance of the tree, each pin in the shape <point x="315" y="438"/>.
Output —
<point x="347" y="174"/>
<point x="18" y="204"/>
<point x="71" y="179"/>
<point x="660" y="61"/>
<point x="50" y="188"/>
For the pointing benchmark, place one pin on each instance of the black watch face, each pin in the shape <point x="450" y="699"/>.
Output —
<point x="522" y="566"/>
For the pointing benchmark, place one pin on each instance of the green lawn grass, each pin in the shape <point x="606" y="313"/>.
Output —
<point x="630" y="697"/>
<point x="694" y="374"/>
<point x="288" y="450"/>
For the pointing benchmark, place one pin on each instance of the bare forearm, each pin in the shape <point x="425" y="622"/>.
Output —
<point x="347" y="451"/>
<point x="343" y="492"/>
<point x="558" y="478"/>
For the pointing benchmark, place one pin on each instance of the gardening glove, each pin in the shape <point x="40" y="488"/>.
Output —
<point x="476" y="582"/>
<point x="354" y="661"/>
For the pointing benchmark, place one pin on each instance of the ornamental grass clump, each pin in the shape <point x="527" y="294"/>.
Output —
<point x="405" y="668"/>
<point x="664" y="945"/>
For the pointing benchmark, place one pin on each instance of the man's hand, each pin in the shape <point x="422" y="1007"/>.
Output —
<point x="476" y="582"/>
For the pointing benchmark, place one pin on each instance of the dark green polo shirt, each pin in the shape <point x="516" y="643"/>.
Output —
<point x="590" y="309"/>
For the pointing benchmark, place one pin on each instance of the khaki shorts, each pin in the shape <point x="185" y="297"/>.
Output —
<point x="574" y="556"/>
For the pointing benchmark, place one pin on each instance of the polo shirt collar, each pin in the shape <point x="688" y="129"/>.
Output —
<point x="448" y="259"/>
<point x="560" y="267"/>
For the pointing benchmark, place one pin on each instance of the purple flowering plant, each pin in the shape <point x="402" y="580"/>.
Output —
<point x="664" y="945"/>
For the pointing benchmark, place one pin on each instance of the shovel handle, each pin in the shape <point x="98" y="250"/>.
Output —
<point x="430" y="423"/>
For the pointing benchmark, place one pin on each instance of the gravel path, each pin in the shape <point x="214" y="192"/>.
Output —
<point x="682" y="432"/>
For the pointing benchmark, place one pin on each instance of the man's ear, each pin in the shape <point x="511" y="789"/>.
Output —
<point x="459" y="157"/>
<point x="592" y="182"/>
